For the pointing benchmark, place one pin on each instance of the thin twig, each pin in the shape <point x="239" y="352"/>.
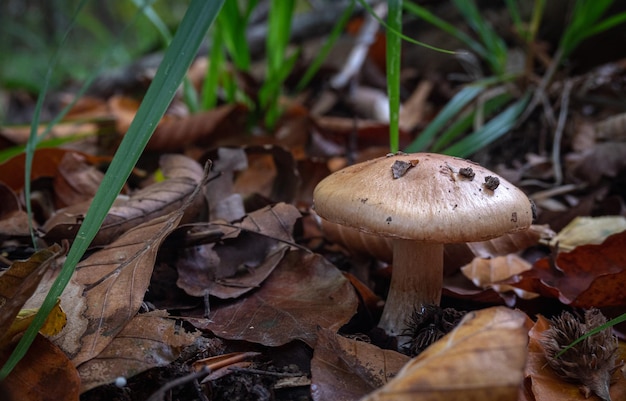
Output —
<point x="160" y="393"/>
<point x="558" y="134"/>
<point x="366" y="37"/>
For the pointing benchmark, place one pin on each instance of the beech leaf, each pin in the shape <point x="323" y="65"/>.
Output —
<point x="147" y="341"/>
<point x="483" y="358"/>
<point x="343" y="369"/>
<point x="303" y="292"/>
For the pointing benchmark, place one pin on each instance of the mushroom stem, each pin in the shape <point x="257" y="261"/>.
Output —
<point x="416" y="280"/>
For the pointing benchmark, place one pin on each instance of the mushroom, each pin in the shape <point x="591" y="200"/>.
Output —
<point x="421" y="201"/>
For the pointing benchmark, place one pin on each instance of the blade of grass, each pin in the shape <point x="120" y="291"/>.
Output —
<point x="178" y="57"/>
<point x="496" y="48"/>
<point x="33" y="138"/>
<point x="451" y="109"/>
<point x="278" y="34"/>
<point x="432" y="19"/>
<point x="369" y="9"/>
<point x="232" y="23"/>
<point x="210" y="85"/>
<point x="610" y="323"/>
<point x="394" y="53"/>
<point x="494" y="129"/>
<point x="465" y="122"/>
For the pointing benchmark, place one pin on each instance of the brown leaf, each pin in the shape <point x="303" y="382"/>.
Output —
<point x="343" y="369"/>
<point x="242" y="261"/>
<point x="490" y="273"/>
<point x="545" y="385"/>
<point x="151" y="202"/>
<point x="483" y="359"/>
<point x="13" y="220"/>
<point x="44" y="374"/>
<point x="20" y="281"/>
<point x="303" y="292"/>
<point x="590" y="275"/>
<point x="147" y="341"/>
<point x="108" y="287"/>
<point x="45" y="164"/>
<point x="76" y="180"/>
<point x="176" y="133"/>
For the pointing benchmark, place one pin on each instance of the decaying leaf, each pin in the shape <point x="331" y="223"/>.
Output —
<point x="44" y="374"/>
<point x="108" y="287"/>
<point x="303" y="292"/>
<point x="482" y="359"/>
<point x="158" y="199"/>
<point x="19" y="282"/>
<point x="344" y="370"/>
<point x="13" y="220"/>
<point x="247" y="254"/>
<point x="55" y="322"/>
<point x="147" y="341"/>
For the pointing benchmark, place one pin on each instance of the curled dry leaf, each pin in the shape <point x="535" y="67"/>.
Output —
<point x="491" y="273"/>
<point x="158" y="199"/>
<point x="343" y="369"/>
<point x="13" y="220"/>
<point x="147" y="341"/>
<point x="76" y="180"/>
<point x="303" y="292"/>
<point x="483" y="359"/>
<point x="247" y="254"/>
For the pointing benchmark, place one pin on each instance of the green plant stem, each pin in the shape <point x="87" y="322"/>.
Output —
<point x="177" y="60"/>
<point x="394" y="53"/>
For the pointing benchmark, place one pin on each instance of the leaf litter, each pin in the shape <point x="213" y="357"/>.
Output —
<point x="248" y="266"/>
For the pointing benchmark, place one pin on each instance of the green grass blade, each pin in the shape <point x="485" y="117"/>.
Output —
<point x="451" y="109"/>
<point x="620" y="319"/>
<point x="315" y="65"/>
<point x="394" y="53"/>
<point x="33" y="139"/>
<point x="450" y="29"/>
<point x="465" y="122"/>
<point x="496" y="48"/>
<point x="178" y="57"/>
<point x="233" y="24"/>
<point x="210" y="86"/>
<point x="491" y="131"/>
<point x="369" y="9"/>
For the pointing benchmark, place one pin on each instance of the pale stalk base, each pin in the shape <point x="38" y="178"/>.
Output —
<point x="416" y="280"/>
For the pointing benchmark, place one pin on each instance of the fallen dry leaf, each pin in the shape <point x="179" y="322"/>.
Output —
<point x="343" y="369"/>
<point x="76" y="180"/>
<point x="247" y="253"/>
<point x="147" y="341"/>
<point x="303" y="292"/>
<point x="158" y="199"/>
<point x="108" y="287"/>
<point x="491" y="273"/>
<point x="483" y="358"/>
<point x="44" y="374"/>
<point x="588" y="276"/>
<point x="13" y="220"/>
<point x="585" y="230"/>
<point x="19" y="282"/>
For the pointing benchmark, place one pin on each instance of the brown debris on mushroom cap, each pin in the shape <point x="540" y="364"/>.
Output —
<point x="429" y="203"/>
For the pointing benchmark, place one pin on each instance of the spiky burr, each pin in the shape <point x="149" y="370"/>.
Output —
<point x="591" y="362"/>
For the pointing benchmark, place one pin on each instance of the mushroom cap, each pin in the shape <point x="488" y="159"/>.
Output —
<point x="432" y="201"/>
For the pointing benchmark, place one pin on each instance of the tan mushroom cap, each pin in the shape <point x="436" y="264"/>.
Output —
<point x="433" y="201"/>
